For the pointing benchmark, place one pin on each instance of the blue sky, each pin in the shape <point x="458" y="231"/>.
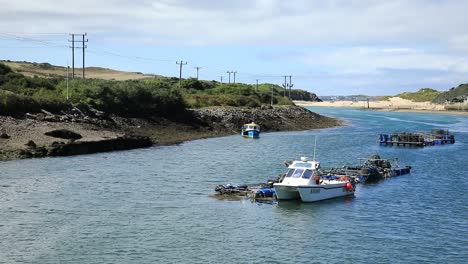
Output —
<point x="329" y="47"/>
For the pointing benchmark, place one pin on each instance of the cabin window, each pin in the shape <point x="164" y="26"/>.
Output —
<point x="297" y="173"/>
<point x="307" y="174"/>
<point x="290" y="172"/>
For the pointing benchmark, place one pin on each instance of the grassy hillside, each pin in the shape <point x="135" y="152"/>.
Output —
<point x="423" y="95"/>
<point x="51" y="71"/>
<point x="20" y="94"/>
<point x="452" y="95"/>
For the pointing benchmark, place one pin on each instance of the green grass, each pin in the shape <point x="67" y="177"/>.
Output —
<point x="423" y="95"/>
<point x="385" y="98"/>
<point x="454" y="93"/>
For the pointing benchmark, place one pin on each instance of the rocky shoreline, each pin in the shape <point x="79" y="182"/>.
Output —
<point x="83" y="131"/>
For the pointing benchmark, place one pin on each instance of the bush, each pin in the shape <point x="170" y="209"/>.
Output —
<point x="127" y="98"/>
<point x="13" y="104"/>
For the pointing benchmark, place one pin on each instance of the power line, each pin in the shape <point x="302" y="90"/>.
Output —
<point x="46" y="43"/>
<point x="116" y="54"/>
<point x="25" y="39"/>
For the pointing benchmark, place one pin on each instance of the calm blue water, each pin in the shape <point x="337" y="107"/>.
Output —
<point x="153" y="205"/>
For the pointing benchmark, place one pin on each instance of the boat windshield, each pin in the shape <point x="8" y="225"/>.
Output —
<point x="290" y="172"/>
<point x="297" y="173"/>
<point x="307" y="174"/>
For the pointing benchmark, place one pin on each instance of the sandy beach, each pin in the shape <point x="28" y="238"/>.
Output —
<point x="393" y="104"/>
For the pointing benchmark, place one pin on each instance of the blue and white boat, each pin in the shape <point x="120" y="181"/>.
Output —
<point x="251" y="130"/>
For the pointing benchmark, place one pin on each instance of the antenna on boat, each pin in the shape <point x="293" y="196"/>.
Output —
<point x="315" y="146"/>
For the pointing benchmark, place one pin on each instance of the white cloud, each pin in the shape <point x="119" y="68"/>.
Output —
<point x="247" y="21"/>
<point x="362" y="42"/>
<point x="372" y="60"/>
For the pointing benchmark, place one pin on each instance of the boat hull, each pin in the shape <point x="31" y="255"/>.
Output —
<point x="323" y="192"/>
<point x="286" y="192"/>
<point x="251" y="134"/>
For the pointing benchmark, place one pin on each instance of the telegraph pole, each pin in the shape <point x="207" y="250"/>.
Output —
<point x="285" y="86"/>
<point x="256" y="87"/>
<point x="68" y="68"/>
<point x="73" y="54"/>
<point x="84" y="47"/>
<point x="180" y="71"/>
<point x="221" y="79"/>
<point x="229" y="72"/>
<point x="290" y="86"/>
<point x="73" y="51"/>
<point x="271" y="103"/>
<point x="234" y="76"/>
<point x="197" y="68"/>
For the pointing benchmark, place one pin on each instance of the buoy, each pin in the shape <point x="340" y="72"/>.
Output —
<point x="348" y="186"/>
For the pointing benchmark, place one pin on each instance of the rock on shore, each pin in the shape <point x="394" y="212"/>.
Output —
<point x="61" y="135"/>
<point x="286" y="118"/>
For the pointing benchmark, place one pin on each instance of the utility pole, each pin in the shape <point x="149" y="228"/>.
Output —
<point x="73" y="54"/>
<point x="271" y="103"/>
<point x="229" y="72"/>
<point x="197" y="68"/>
<point x="68" y="68"/>
<point x="180" y="71"/>
<point x="73" y="51"/>
<point x="285" y="85"/>
<point x="256" y="87"/>
<point x="221" y="79"/>
<point x="234" y="76"/>
<point x="290" y="86"/>
<point x="84" y="47"/>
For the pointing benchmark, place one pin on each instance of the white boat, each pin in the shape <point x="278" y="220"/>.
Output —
<point x="300" y="172"/>
<point x="304" y="181"/>
<point x="326" y="187"/>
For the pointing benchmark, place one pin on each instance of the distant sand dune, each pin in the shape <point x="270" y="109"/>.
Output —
<point x="393" y="104"/>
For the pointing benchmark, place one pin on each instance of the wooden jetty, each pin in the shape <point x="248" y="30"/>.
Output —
<point x="418" y="139"/>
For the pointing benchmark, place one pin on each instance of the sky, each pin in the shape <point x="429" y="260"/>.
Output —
<point x="339" y="47"/>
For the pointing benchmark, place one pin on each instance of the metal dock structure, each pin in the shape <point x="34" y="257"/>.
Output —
<point x="418" y="139"/>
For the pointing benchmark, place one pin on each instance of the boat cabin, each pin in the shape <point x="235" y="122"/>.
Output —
<point x="300" y="172"/>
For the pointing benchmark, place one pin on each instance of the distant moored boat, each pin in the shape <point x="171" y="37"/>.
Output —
<point x="250" y="130"/>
